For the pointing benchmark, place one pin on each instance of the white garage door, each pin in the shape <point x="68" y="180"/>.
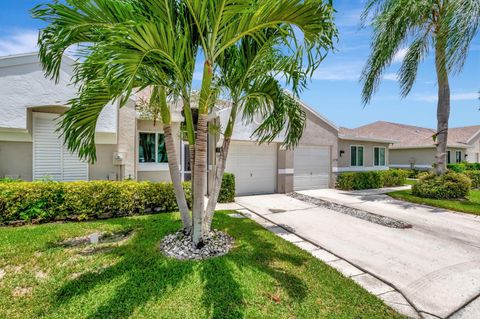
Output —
<point x="311" y="167"/>
<point x="52" y="160"/>
<point x="254" y="166"/>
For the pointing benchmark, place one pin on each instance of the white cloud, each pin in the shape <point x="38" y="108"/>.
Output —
<point x="390" y="77"/>
<point x="432" y="98"/>
<point x="401" y="53"/>
<point x="348" y="71"/>
<point x="23" y="41"/>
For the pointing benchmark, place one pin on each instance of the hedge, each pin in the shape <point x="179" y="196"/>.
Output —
<point x="227" y="191"/>
<point x="462" y="167"/>
<point x="53" y="201"/>
<point x="450" y="185"/>
<point x="371" y="179"/>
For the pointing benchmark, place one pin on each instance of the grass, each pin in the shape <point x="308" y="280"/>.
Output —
<point x="471" y="205"/>
<point x="411" y="182"/>
<point x="262" y="277"/>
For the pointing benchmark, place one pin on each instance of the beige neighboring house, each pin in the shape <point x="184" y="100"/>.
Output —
<point x="416" y="148"/>
<point x="359" y="152"/>
<point x="129" y="146"/>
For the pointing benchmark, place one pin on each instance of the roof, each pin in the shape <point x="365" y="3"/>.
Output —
<point x="351" y="134"/>
<point x="409" y="136"/>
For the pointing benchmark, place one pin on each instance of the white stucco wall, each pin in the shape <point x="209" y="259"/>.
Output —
<point x="23" y="85"/>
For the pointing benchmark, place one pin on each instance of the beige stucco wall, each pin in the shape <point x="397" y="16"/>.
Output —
<point x="344" y="160"/>
<point x="157" y="176"/>
<point x="16" y="159"/>
<point x="420" y="157"/>
<point x="319" y="133"/>
<point x="473" y="153"/>
<point x="126" y="140"/>
<point x="103" y="167"/>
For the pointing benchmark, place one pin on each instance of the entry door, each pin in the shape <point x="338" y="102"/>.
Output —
<point x="51" y="159"/>
<point x="311" y="167"/>
<point x="254" y="166"/>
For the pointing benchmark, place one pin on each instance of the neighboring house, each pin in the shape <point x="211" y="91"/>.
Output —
<point x="359" y="152"/>
<point x="416" y="147"/>
<point x="130" y="147"/>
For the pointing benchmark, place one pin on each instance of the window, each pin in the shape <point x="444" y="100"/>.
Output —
<point x="458" y="157"/>
<point x="379" y="156"/>
<point x="151" y="148"/>
<point x="449" y="157"/>
<point x="356" y="155"/>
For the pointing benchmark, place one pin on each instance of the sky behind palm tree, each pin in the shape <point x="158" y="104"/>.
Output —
<point x="334" y="90"/>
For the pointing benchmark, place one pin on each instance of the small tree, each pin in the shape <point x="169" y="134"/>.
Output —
<point x="446" y="26"/>
<point x="134" y="44"/>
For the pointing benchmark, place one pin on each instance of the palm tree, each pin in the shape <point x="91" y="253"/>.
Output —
<point x="446" y="26"/>
<point x="249" y="72"/>
<point x="134" y="44"/>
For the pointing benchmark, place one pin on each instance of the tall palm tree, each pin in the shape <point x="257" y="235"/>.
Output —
<point x="446" y="26"/>
<point x="249" y="71"/>
<point x="133" y="44"/>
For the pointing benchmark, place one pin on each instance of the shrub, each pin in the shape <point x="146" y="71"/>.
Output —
<point x="49" y="201"/>
<point x="474" y="177"/>
<point x="227" y="191"/>
<point x="450" y="185"/>
<point x="462" y="167"/>
<point x="394" y="177"/>
<point x="359" y="180"/>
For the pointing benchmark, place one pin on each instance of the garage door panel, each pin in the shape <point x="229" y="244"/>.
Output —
<point x="254" y="166"/>
<point x="311" y="167"/>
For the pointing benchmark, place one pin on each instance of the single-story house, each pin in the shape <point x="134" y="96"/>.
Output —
<point x="415" y="146"/>
<point x="129" y="146"/>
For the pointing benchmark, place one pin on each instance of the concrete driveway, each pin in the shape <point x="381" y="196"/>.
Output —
<point x="435" y="264"/>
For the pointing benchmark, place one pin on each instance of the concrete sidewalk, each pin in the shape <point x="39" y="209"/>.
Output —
<point x="435" y="264"/>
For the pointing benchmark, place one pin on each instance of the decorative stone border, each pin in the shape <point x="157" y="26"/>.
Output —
<point x="385" y="291"/>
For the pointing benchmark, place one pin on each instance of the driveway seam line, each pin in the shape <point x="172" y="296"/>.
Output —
<point x="341" y="258"/>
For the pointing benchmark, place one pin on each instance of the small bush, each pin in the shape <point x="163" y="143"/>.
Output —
<point x="49" y="201"/>
<point x="227" y="191"/>
<point x="394" y="177"/>
<point x="359" y="180"/>
<point x="450" y="185"/>
<point x="474" y="177"/>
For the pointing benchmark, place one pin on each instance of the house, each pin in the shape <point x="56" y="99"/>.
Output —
<point x="361" y="152"/>
<point x="131" y="146"/>
<point x="415" y="146"/>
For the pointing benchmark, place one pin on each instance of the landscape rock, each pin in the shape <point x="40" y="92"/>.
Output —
<point x="180" y="246"/>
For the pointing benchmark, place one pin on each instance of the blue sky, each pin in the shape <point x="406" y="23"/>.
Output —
<point x="334" y="90"/>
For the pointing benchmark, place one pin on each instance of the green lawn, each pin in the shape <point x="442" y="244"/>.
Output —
<point x="471" y="205"/>
<point x="263" y="277"/>
<point x="411" y="182"/>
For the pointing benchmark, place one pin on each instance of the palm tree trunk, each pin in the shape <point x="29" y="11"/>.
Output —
<point x="174" y="168"/>
<point x="199" y="178"/>
<point x="443" y="106"/>
<point x="217" y="184"/>
<point x="220" y="170"/>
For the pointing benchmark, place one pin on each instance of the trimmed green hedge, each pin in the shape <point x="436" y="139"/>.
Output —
<point x="51" y="201"/>
<point x="462" y="167"/>
<point x="372" y="179"/>
<point x="450" y="185"/>
<point x="227" y="191"/>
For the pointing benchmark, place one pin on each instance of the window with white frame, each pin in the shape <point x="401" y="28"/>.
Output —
<point x="379" y="154"/>
<point x="458" y="157"/>
<point x="151" y="148"/>
<point x="449" y="157"/>
<point x="356" y="155"/>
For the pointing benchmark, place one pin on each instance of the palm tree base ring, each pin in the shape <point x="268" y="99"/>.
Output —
<point x="180" y="246"/>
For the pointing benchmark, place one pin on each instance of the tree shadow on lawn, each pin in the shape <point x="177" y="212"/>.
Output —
<point x="149" y="275"/>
